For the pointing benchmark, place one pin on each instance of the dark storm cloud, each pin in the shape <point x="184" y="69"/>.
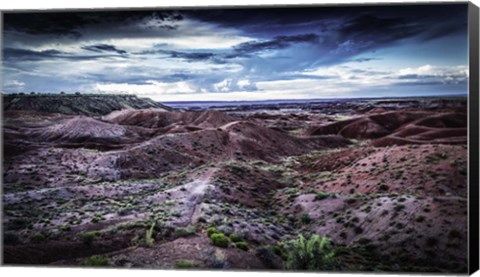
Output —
<point x="278" y="42"/>
<point x="241" y="50"/>
<point x="17" y="55"/>
<point x="104" y="48"/>
<point x="69" y="23"/>
<point x="370" y="27"/>
<point x="362" y="60"/>
<point x="189" y="56"/>
<point x="194" y="56"/>
<point x="24" y="54"/>
<point x="264" y="21"/>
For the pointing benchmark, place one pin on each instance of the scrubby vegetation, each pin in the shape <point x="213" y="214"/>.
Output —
<point x="219" y="239"/>
<point x="315" y="253"/>
<point x="95" y="261"/>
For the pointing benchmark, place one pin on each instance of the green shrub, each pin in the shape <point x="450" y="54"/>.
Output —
<point x="88" y="237"/>
<point x="420" y="218"/>
<point x="65" y="228"/>
<point x="351" y="200"/>
<point x="242" y="245"/>
<point x="383" y="187"/>
<point x="306" y="218"/>
<point x="235" y="238"/>
<point x="38" y="237"/>
<point x="315" y="253"/>
<point x="183" y="264"/>
<point x="97" y="218"/>
<point x="211" y="231"/>
<point x="321" y="196"/>
<point x="95" y="261"/>
<point x="219" y="239"/>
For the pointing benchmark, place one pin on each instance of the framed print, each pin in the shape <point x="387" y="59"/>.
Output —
<point x="318" y="138"/>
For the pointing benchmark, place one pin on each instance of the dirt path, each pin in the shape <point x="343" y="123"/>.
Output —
<point x="197" y="190"/>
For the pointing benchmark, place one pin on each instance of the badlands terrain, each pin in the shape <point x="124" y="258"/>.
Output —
<point x="121" y="181"/>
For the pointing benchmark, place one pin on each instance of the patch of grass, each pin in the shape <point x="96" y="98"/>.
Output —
<point x="95" y="261"/>
<point x="220" y="240"/>
<point x="185" y="231"/>
<point x="149" y="236"/>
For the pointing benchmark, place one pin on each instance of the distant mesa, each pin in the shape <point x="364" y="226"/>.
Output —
<point x="77" y="104"/>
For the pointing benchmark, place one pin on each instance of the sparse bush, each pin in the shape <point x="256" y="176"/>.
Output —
<point x="185" y="231"/>
<point x="65" y="228"/>
<point x="95" y="261"/>
<point x="315" y="253"/>
<point x="351" y="200"/>
<point x="219" y="239"/>
<point x="211" y="231"/>
<point x="38" y="237"/>
<point x="242" y="245"/>
<point x="266" y="255"/>
<point x="88" y="237"/>
<point x="383" y="187"/>
<point x="306" y="218"/>
<point x="183" y="264"/>
<point x="321" y="196"/>
<point x="420" y="218"/>
<point x="364" y="241"/>
<point x="97" y="218"/>
<point x="454" y="234"/>
<point x="235" y="238"/>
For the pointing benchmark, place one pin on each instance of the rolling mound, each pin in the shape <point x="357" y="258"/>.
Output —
<point x="159" y="118"/>
<point x="367" y="127"/>
<point x="400" y="128"/>
<point x="85" y="104"/>
<point x="236" y="140"/>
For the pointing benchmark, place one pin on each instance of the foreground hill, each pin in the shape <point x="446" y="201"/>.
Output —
<point x="72" y="104"/>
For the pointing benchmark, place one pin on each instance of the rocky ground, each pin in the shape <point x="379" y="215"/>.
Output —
<point x="140" y="187"/>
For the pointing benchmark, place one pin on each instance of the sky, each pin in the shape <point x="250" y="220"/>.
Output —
<point x="240" y="54"/>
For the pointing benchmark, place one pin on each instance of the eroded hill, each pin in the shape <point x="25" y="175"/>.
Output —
<point x="141" y="188"/>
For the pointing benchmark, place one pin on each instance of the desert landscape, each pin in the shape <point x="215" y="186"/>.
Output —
<point x="123" y="181"/>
